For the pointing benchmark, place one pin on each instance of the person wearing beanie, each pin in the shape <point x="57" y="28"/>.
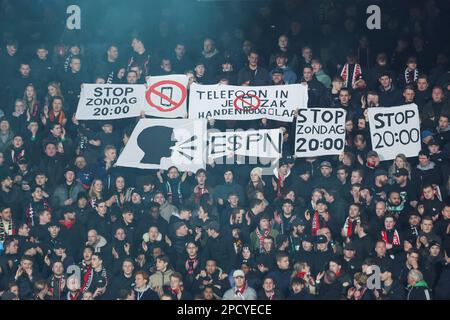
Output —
<point x="256" y="183"/>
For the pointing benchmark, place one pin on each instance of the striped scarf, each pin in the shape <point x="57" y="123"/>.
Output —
<point x="3" y="232"/>
<point x="411" y="76"/>
<point x="349" y="226"/>
<point x="261" y="238"/>
<point x="346" y="76"/>
<point x="395" y="238"/>
<point x="59" y="118"/>
<point x="315" y="224"/>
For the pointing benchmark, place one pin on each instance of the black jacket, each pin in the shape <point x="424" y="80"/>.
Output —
<point x="395" y="292"/>
<point x="442" y="289"/>
<point x="53" y="168"/>
<point x="330" y="291"/>
<point x="118" y="283"/>
<point x="390" y="98"/>
<point x="258" y="77"/>
<point x="220" y="249"/>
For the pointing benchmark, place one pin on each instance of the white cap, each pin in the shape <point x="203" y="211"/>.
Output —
<point x="238" y="273"/>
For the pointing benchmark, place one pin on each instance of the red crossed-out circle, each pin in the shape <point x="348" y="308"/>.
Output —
<point x="175" y="104"/>
<point x="251" y="106"/>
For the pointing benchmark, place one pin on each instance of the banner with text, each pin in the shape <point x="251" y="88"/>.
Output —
<point x="223" y="102"/>
<point x="395" y="130"/>
<point x="252" y="143"/>
<point x="320" y="132"/>
<point x="110" y="101"/>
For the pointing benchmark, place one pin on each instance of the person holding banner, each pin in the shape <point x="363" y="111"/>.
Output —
<point x="253" y="74"/>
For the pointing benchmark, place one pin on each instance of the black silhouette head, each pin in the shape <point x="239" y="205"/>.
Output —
<point x="156" y="143"/>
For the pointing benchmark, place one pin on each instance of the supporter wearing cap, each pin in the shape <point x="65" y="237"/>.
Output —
<point x="240" y="291"/>
<point x="413" y="229"/>
<point x="277" y="77"/>
<point x="350" y="262"/>
<point x="298" y="227"/>
<point x="326" y="179"/>
<point x="405" y="187"/>
<point x="436" y="154"/>
<point x="322" y="256"/>
<point x="281" y="62"/>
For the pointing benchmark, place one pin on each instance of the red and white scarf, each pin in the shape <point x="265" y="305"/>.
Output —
<point x="261" y="237"/>
<point x="240" y="292"/>
<point x="191" y="265"/>
<point x="315" y="224"/>
<point x="349" y="226"/>
<point x="356" y="72"/>
<point x="395" y="238"/>
<point x="199" y="192"/>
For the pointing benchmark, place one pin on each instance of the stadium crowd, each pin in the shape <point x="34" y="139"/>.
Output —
<point x="73" y="226"/>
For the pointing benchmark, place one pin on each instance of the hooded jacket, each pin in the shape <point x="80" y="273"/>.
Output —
<point x="418" y="291"/>
<point x="160" y="279"/>
<point x="429" y="174"/>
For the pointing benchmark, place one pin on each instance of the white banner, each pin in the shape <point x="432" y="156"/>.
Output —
<point x="320" y="132"/>
<point x="254" y="143"/>
<point x="166" y="96"/>
<point x="395" y="130"/>
<point x="162" y="143"/>
<point x="222" y="102"/>
<point x="110" y="101"/>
